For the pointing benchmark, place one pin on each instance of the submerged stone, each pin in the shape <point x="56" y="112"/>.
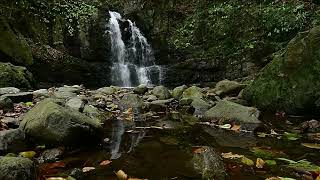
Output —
<point x="209" y="163"/>
<point x="12" y="140"/>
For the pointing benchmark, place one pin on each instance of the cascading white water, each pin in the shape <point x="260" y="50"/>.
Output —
<point x="133" y="60"/>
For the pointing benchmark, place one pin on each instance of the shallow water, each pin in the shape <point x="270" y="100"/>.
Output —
<point x="162" y="154"/>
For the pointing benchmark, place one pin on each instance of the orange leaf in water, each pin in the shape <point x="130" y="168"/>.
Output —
<point x="105" y="163"/>
<point x="236" y="128"/>
<point x="198" y="150"/>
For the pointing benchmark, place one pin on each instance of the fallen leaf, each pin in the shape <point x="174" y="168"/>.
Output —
<point x="271" y="162"/>
<point x="318" y="178"/>
<point x="291" y="136"/>
<point x="198" y="150"/>
<point x="87" y="169"/>
<point x="247" y="161"/>
<point x="56" y="178"/>
<point x="230" y="155"/>
<point x="28" y="154"/>
<point x="262" y="134"/>
<point x="311" y="145"/>
<point x="105" y="163"/>
<point x="226" y="126"/>
<point x="260" y="163"/>
<point x="122" y="175"/>
<point x="236" y="128"/>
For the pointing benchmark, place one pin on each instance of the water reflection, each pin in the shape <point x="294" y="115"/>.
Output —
<point x="118" y="130"/>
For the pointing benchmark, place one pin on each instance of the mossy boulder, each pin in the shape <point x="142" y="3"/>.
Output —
<point x="178" y="91"/>
<point x="193" y="92"/>
<point x="226" y="87"/>
<point x="161" y="92"/>
<point x="17" y="168"/>
<point x="15" y="76"/>
<point x="13" y="45"/>
<point x="51" y="123"/>
<point x="291" y="82"/>
<point x="226" y="111"/>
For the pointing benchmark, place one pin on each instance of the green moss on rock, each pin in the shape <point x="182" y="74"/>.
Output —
<point x="15" y="76"/>
<point x="51" y="123"/>
<point x="291" y="81"/>
<point x="13" y="45"/>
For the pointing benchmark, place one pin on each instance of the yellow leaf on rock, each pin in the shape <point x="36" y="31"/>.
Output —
<point x="230" y="155"/>
<point x="105" y="163"/>
<point x="122" y="175"/>
<point x="260" y="163"/>
<point x="87" y="169"/>
<point x="236" y="128"/>
<point x="247" y="161"/>
<point x="28" y="154"/>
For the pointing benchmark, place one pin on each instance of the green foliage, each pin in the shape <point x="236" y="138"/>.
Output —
<point x="240" y="30"/>
<point x="71" y="11"/>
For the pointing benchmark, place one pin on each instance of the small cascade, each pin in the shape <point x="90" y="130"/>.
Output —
<point x="133" y="62"/>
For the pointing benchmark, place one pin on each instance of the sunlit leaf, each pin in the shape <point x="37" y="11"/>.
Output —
<point x="311" y="145"/>
<point x="28" y="154"/>
<point x="87" y="169"/>
<point x="291" y="136"/>
<point x="198" y="150"/>
<point x="226" y="126"/>
<point x="230" y="155"/>
<point x="271" y="162"/>
<point x="122" y="175"/>
<point x="287" y="160"/>
<point x="105" y="163"/>
<point x="236" y="128"/>
<point x="247" y="161"/>
<point x="260" y="163"/>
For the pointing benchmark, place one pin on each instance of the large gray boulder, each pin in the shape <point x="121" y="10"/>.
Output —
<point x="51" y="123"/>
<point x="161" y="92"/>
<point x="201" y="106"/>
<point x="178" y="91"/>
<point x="106" y="90"/>
<point x="76" y="103"/>
<point x="193" y="92"/>
<point x="131" y="100"/>
<point x="17" y="168"/>
<point x="9" y="90"/>
<point x="141" y="89"/>
<point x="226" y="87"/>
<point x="225" y="111"/>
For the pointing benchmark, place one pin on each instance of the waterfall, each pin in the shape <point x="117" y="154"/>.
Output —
<point x="133" y="61"/>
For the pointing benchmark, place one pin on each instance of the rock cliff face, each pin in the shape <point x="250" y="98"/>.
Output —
<point x="196" y="41"/>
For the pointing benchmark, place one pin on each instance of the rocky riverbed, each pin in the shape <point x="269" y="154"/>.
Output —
<point x="188" y="132"/>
